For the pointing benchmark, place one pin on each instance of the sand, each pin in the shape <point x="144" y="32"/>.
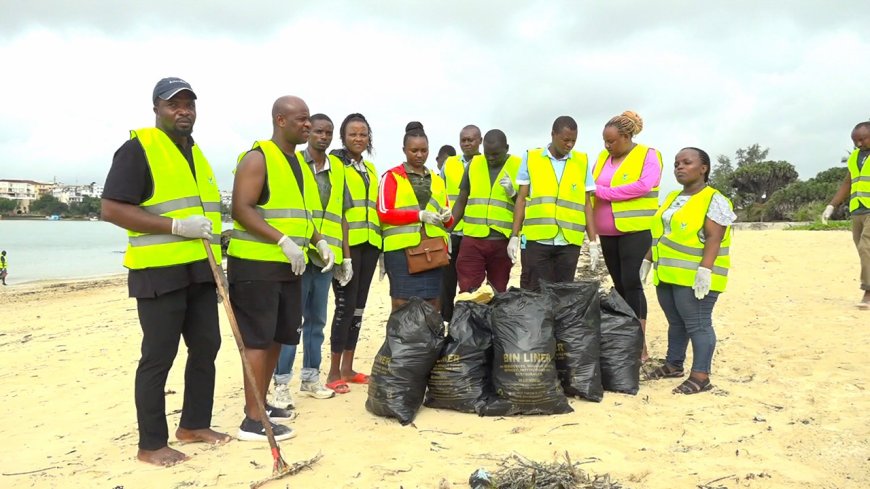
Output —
<point x="789" y="408"/>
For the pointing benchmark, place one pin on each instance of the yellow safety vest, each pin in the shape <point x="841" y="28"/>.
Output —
<point x="453" y="173"/>
<point x="860" y="189"/>
<point x="286" y="210"/>
<point x="327" y="221"/>
<point x="364" y="225"/>
<point x="489" y="206"/>
<point x="635" y="214"/>
<point x="677" y="255"/>
<point x="556" y="204"/>
<point x="177" y="194"/>
<point x="408" y="235"/>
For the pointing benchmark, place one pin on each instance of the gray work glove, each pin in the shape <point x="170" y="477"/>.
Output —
<point x="293" y="253"/>
<point x="196" y="227"/>
<point x="326" y="255"/>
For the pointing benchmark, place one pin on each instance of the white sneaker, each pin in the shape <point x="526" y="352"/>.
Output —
<point x="282" y="398"/>
<point x="315" y="390"/>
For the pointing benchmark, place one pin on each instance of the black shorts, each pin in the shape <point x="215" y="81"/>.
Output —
<point x="268" y="311"/>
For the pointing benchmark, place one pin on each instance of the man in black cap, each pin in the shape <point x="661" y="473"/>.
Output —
<point x="161" y="189"/>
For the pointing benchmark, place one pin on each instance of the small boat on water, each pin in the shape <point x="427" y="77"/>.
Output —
<point x="53" y="217"/>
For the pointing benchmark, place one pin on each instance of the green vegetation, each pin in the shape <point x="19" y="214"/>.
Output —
<point x="7" y="205"/>
<point x="48" y="205"/>
<point x="819" y="226"/>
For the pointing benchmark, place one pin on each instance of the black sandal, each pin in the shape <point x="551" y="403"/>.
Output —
<point x="693" y="386"/>
<point x="664" y="372"/>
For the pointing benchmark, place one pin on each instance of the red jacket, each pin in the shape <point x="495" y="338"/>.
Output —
<point x="387" y="201"/>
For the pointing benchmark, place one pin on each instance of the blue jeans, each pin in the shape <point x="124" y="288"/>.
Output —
<point x="315" y="294"/>
<point x="689" y="319"/>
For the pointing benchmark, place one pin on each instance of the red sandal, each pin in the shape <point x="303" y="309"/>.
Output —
<point x="358" y="378"/>
<point x="339" y="386"/>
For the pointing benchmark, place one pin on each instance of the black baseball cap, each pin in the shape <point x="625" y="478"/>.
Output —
<point x="169" y="87"/>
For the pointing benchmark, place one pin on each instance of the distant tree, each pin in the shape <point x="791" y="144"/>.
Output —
<point x="756" y="182"/>
<point x="722" y="176"/>
<point x="7" y="206"/>
<point x="836" y="175"/>
<point x="48" y="205"/>
<point x="750" y="155"/>
<point x="89" y="206"/>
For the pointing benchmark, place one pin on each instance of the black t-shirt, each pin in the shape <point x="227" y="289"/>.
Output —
<point x="130" y="181"/>
<point x="242" y="270"/>
<point x="465" y="187"/>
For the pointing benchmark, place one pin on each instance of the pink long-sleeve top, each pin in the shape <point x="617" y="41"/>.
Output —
<point x="650" y="176"/>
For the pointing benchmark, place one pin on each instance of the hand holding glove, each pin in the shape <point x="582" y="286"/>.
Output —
<point x="827" y="213"/>
<point x="382" y="269"/>
<point x="344" y="272"/>
<point x="429" y="217"/>
<point x="293" y="253"/>
<point x="326" y="255"/>
<point x="702" y="282"/>
<point x="645" y="267"/>
<point x="594" y="255"/>
<point x="507" y="185"/>
<point x="445" y="214"/>
<point x="196" y="227"/>
<point x="513" y="249"/>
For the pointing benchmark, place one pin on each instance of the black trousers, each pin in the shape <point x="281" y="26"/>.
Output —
<point x="190" y="313"/>
<point x="350" y="300"/>
<point x="549" y="263"/>
<point x="623" y="256"/>
<point x="449" y="280"/>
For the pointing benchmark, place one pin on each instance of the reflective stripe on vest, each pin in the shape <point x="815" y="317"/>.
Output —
<point x="556" y="205"/>
<point x="177" y="194"/>
<point x="677" y="255"/>
<point x="635" y="214"/>
<point x="489" y="206"/>
<point x="364" y="225"/>
<point x="860" y="188"/>
<point x="327" y="221"/>
<point x="453" y="173"/>
<point x="406" y="236"/>
<point x="285" y="210"/>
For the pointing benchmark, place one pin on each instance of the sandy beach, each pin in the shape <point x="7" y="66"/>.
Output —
<point x="789" y="409"/>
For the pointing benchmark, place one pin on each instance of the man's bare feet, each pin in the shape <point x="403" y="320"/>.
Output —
<point x="204" y="435"/>
<point x="164" y="457"/>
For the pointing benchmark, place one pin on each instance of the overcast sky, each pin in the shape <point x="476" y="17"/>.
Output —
<point x="792" y="76"/>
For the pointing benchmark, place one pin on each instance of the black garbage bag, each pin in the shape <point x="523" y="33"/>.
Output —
<point x="621" y="345"/>
<point x="460" y="378"/>
<point x="415" y="335"/>
<point x="578" y="337"/>
<point x="524" y="350"/>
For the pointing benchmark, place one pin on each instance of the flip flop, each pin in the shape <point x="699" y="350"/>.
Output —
<point x="359" y="378"/>
<point x="339" y="386"/>
<point x="863" y="305"/>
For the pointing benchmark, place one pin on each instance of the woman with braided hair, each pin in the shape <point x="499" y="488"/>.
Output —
<point x="627" y="176"/>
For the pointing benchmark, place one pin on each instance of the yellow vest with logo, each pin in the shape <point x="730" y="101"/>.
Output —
<point x="454" y="170"/>
<point x="408" y="235"/>
<point x="860" y="188"/>
<point x="286" y="210"/>
<point x="556" y="204"/>
<point x="489" y="206"/>
<point x="327" y="221"/>
<point x="635" y="214"/>
<point x="177" y="194"/>
<point x="677" y="255"/>
<point x="364" y="225"/>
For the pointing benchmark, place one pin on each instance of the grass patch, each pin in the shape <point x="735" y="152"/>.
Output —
<point x="818" y="226"/>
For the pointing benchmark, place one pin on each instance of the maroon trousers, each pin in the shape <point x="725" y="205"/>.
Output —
<point x="483" y="259"/>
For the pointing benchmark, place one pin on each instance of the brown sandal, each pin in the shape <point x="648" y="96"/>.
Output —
<point x="664" y="372"/>
<point x="693" y="386"/>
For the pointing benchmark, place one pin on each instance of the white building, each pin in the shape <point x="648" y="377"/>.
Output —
<point x="23" y="191"/>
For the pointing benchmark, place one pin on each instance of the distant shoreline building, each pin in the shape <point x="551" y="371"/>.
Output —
<point x="26" y="191"/>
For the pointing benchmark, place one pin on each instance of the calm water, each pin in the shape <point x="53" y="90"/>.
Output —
<point x="39" y="250"/>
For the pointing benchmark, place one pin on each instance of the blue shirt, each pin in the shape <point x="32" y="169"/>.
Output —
<point x="559" y="168"/>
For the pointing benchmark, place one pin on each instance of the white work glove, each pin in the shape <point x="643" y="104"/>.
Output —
<point x="594" y="255"/>
<point x="326" y="255"/>
<point x="827" y="213"/>
<point x="702" y="282"/>
<point x="195" y="227"/>
<point x="293" y="253"/>
<point x="382" y="269"/>
<point x="507" y="185"/>
<point x="429" y="217"/>
<point x="344" y="272"/>
<point x="645" y="267"/>
<point x="513" y="249"/>
<point x="445" y="214"/>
